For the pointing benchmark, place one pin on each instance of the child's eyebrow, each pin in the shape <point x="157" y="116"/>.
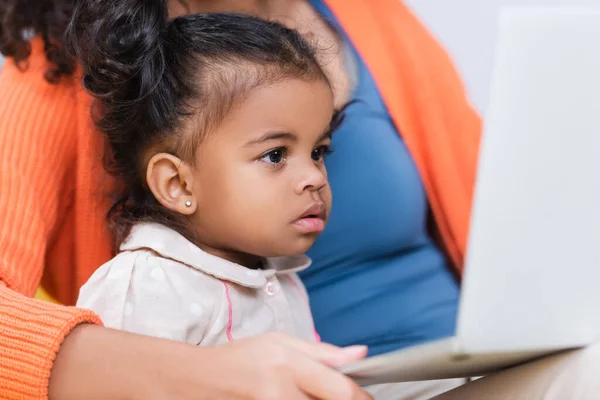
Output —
<point x="326" y="135"/>
<point x="273" y="136"/>
<point x="284" y="135"/>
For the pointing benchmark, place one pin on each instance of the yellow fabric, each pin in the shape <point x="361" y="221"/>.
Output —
<point x="41" y="294"/>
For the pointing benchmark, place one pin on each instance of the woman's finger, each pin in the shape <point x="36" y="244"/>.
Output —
<point x="328" y="354"/>
<point x="323" y="383"/>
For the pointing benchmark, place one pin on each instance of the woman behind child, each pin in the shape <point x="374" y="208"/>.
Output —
<point x="217" y="126"/>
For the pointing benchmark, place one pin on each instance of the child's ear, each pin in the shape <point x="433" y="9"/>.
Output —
<point x="170" y="180"/>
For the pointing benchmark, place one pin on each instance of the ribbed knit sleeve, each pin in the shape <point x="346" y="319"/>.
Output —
<point x="37" y="154"/>
<point x="31" y="332"/>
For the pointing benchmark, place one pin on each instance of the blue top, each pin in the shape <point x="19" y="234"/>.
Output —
<point x="377" y="277"/>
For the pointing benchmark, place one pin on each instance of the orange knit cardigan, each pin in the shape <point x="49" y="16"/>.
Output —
<point x="53" y="189"/>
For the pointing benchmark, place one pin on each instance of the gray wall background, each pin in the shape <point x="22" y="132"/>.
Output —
<point x="468" y="30"/>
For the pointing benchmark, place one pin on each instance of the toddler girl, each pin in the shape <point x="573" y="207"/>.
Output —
<point x="217" y="126"/>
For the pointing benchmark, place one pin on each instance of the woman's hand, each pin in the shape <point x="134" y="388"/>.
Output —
<point x="277" y="366"/>
<point x="100" y="363"/>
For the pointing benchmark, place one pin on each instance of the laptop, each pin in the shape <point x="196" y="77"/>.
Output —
<point x="531" y="284"/>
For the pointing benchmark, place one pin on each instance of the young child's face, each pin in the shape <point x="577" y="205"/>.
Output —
<point x="260" y="182"/>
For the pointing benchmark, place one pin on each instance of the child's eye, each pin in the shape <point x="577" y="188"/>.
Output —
<point x="320" y="152"/>
<point x="274" y="157"/>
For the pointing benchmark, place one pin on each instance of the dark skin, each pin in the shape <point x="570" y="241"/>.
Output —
<point x="99" y="363"/>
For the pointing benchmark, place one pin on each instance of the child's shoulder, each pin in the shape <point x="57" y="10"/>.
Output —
<point x="140" y="291"/>
<point x="147" y="280"/>
<point x="145" y="267"/>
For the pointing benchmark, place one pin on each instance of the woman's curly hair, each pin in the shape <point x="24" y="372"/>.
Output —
<point x="20" y="20"/>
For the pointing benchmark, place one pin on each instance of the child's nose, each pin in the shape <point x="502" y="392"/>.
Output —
<point x="313" y="178"/>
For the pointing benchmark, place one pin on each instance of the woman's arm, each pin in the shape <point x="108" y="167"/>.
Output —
<point x="100" y="363"/>
<point x="31" y="333"/>
<point x="37" y="152"/>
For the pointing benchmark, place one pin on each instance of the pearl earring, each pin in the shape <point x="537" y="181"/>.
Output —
<point x="188" y="203"/>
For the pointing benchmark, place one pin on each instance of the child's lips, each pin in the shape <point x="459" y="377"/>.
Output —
<point x="312" y="219"/>
<point x="311" y="224"/>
